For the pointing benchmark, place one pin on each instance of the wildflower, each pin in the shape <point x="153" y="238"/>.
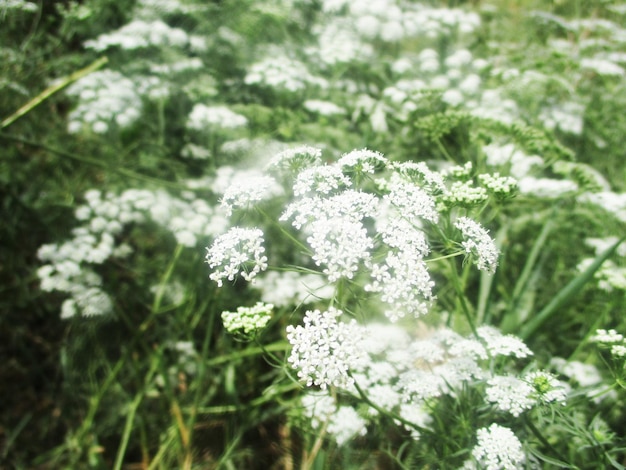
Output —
<point x="607" y="336"/>
<point x="105" y="98"/>
<point x="500" y="186"/>
<point x="503" y="345"/>
<point x="320" y="179"/>
<point x="325" y="350"/>
<point x="249" y="189"/>
<point x="237" y="252"/>
<point x="479" y="244"/>
<point x="362" y="161"/>
<point x="510" y="394"/>
<point x="292" y="161"/>
<point x="497" y="448"/>
<point x="411" y="201"/>
<point x="464" y="194"/>
<point x="323" y="108"/>
<point x="546" y="388"/>
<point x="340" y="244"/>
<point x="404" y="283"/>
<point x="214" y="117"/>
<point x="345" y="424"/>
<point x="140" y="34"/>
<point x="247" y="320"/>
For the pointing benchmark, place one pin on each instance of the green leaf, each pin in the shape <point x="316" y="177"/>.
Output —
<point x="567" y="293"/>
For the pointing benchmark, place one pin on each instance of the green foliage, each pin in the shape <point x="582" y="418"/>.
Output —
<point x="157" y="382"/>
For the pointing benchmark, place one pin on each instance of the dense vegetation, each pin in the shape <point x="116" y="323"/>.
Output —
<point x="312" y="234"/>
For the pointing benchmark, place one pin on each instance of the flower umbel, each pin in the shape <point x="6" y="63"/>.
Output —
<point x="324" y="349"/>
<point x="247" y="320"/>
<point x="237" y="252"/>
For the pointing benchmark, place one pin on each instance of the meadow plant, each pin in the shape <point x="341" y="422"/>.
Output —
<point x="245" y="283"/>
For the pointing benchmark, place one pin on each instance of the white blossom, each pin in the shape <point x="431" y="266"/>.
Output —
<point x="497" y="448"/>
<point x="479" y="244"/>
<point x="325" y="350"/>
<point x="237" y="252"/>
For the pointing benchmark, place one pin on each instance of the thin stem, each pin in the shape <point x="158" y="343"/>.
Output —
<point x="52" y="89"/>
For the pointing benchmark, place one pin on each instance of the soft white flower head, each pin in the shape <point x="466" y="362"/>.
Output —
<point x="248" y="189"/>
<point x="204" y="117"/>
<point x="362" y="161"/>
<point x="479" y="244"/>
<point x="341" y="245"/>
<point x="607" y="336"/>
<point x="497" y="448"/>
<point x="325" y="350"/>
<point x="510" y="394"/>
<point x="320" y="180"/>
<point x="237" y="252"/>
<point x="323" y="108"/>
<point x="140" y="34"/>
<point x="503" y="345"/>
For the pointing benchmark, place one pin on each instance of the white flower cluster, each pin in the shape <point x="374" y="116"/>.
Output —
<point x="237" y="252"/>
<point x="325" y="349"/>
<point x="283" y="73"/>
<point x="479" y="244"/>
<point x="208" y="118"/>
<point x="405" y="376"/>
<point x="139" y="34"/>
<point x="248" y="188"/>
<point x="335" y="217"/>
<point x="103" y="218"/>
<point x="612" y="339"/>
<point x="497" y="448"/>
<point x="338" y="42"/>
<point x="515" y="395"/>
<point x="323" y="108"/>
<point x="344" y="423"/>
<point x="105" y="98"/>
<point x="247" y="320"/>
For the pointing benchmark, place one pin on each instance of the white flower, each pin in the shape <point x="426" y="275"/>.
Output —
<point x="607" y="336"/>
<point x="340" y="244"/>
<point x="498" y="449"/>
<point x="237" y="252"/>
<point x="478" y="243"/>
<point x="510" y="394"/>
<point x="503" y="345"/>
<point x="204" y="117"/>
<point x="140" y="34"/>
<point x="247" y="320"/>
<point x="404" y="283"/>
<point x="548" y="188"/>
<point x="292" y="161"/>
<point x="362" y="161"/>
<point x="248" y="189"/>
<point x="323" y="108"/>
<point x="411" y="201"/>
<point x="320" y="179"/>
<point x="546" y="388"/>
<point x="324" y="349"/>
<point x="345" y="424"/>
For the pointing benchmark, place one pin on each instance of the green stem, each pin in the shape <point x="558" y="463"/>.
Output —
<point x="52" y="89"/>
<point x="156" y="305"/>
<point x="130" y="417"/>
